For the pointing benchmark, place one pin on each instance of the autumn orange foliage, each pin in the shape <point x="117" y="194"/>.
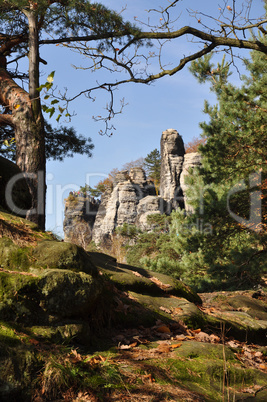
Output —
<point x="193" y="145"/>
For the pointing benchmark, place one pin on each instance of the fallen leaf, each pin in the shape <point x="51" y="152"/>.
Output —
<point x="176" y="345"/>
<point x="233" y="344"/>
<point x="163" y="329"/>
<point x="163" y="348"/>
<point x="159" y="283"/>
<point x="214" y="338"/>
<point x="196" y="331"/>
<point x="248" y="390"/>
<point x="124" y="347"/>
<point x="166" y="310"/>
<point x="139" y="356"/>
<point x="180" y="337"/>
<point x="177" y="310"/>
<point x="258" y="354"/>
<point x="34" y="341"/>
<point x="148" y="377"/>
<point x="202" y="337"/>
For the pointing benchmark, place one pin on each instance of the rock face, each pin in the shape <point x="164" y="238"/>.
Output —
<point x="133" y="197"/>
<point x="80" y="213"/>
<point x="191" y="161"/>
<point x="172" y="157"/>
<point x="121" y="205"/>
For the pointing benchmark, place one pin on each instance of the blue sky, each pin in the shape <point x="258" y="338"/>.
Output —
<point x="173" y="102"/>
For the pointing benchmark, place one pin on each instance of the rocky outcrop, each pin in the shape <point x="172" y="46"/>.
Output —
<point x="191" y="162"/>
<point x="80" y="213"/>
<point x="172" y="158"/>
<point x="148" y="206"/>
<point x="133" y="197"/>
<point x="121" y="205"/>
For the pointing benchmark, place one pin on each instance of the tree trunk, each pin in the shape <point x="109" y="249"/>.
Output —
<point x="27" y="120"/>
<point x="35" y="127"/>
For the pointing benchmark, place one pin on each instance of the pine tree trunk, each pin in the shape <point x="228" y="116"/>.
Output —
<point x="30" y="145"/>
<point x="27" y="120"/>
<point x="30" y="157"/>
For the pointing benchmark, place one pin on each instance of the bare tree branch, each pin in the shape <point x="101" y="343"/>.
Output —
<point x="6" y="119"/>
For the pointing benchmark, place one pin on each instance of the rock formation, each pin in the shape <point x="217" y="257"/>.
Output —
<point x="172" y="157"/>
<point x="120" y="205"/>
<point x="80" y="213"/>
<point x="191" y="161"/>
<point x="133" y="197"/>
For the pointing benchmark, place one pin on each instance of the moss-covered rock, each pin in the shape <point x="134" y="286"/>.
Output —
<point x="55" y="293"/>
<point x="172" y="308"/>
<point x="143" y="281"/>
<point x="214" y="371"/>
<point x="61" y="255"/>
<point x="69" y="294"/>
<point x="67" y="332"/>
<point x="18" y="364"/>
<point x="257" y="309"/>
<point x="12" y="256"/>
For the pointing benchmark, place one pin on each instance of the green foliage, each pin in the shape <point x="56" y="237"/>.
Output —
<point x="152" y="250"/>
<point x="60" y="143"/>
<point x="152" y="165"/>
<point x="50" y="108"/>
<point x="78" y="18"/>
<point x="233" y="255"/>
<point x="159" y="222"/>
<point x="127" y="230"/>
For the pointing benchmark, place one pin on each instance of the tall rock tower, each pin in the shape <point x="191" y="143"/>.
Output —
<point x="172" y="158"/>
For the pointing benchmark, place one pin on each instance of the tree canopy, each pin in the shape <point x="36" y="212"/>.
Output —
<point x="60" y="142"/>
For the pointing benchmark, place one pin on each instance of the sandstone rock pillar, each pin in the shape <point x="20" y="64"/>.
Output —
<point x="172" y="157"/>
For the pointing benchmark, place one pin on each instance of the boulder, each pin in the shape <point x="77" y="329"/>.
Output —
<point x="68" y="294"/>
<point x="62" y="255"/>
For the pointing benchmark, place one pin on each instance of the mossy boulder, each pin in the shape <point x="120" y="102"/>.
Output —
<point x="12" y="256"/>
<point x="55" y="293"/>
<point x="64" y="332"/>
<point x="49" y="283"/>
<point x="244" y="318"/>
<point x="169" y="309"/>
<point x="20" y="193"/>
<point x="61" y="255"/>
<point x="140" y="280"/>
<point x="69" y="294"/>
<point x="257" y="309"/>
